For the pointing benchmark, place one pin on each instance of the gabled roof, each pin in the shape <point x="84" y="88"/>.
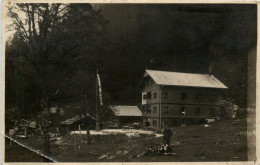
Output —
<point x="184" y="79"/>
<point x="76" y="119"/>
<point x="124" y="110"/>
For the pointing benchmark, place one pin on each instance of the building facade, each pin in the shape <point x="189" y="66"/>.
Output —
<point x="172" y="98"/>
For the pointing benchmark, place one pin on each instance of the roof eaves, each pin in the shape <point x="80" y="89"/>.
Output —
<point x="158" y="83"/>
<point x="194" y="86"/>
<point x="148" y="74"/>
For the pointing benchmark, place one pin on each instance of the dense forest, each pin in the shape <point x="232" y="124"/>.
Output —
<point x="55" y="49"/>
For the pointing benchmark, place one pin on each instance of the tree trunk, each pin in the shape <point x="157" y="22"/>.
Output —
<point x="45" y="109"/>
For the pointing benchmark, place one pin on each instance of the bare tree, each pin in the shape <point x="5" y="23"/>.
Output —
<point x="37" y="26"/>
<point x="51" y="37"/>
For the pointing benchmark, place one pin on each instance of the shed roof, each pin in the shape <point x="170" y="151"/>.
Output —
<point x="185" y="79"/>
<point x="76" y="119"/>
<point x="124" y="110"/>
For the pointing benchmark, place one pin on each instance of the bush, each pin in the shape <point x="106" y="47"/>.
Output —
<point x="229" y="109"/>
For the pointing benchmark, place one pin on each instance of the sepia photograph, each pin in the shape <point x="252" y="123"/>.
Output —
<point x="121" y="82"/>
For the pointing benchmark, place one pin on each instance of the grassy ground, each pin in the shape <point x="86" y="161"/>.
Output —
<point x="221" y="141"/>
<point x="17" y="153"/>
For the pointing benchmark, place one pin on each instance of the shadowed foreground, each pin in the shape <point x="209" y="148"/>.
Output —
<point x="220" y="141"/>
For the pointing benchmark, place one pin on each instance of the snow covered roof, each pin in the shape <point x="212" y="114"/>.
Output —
<point x="124" y="110"/>
<point x="184" y="79"/>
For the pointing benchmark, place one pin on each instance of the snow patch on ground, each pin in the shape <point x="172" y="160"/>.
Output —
<point x="128" y="132"/>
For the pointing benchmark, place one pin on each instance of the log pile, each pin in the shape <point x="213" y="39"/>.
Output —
<point x="163" y="149"/>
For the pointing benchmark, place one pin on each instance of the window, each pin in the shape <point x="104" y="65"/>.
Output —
<point x="165" y="94"/>
<point x="152" y="82"/>
<point x="165" y="123"/>
<point x="183" y="111"/>
<point x="154" y="109"/>
<point x="148" y="95"/>
<point x="198" y="96"/>
<point x="144" y="97"/>
<point x="154" y="124"/>
<point x="198" y="111"/>
<point x="154" y="95"/>
<point x="149" y="110"/>
<point x="211" y="111"/>
<point x="212" y="97"/>
<point x="183" y="96"/>
<point x="165" y="109"/>
<point x="147" y="83"/>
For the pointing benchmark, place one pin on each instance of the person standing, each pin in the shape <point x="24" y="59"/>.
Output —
<point x="167" y="134"/>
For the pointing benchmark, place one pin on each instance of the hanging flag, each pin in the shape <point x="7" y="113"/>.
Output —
<point x="99" y="89"/>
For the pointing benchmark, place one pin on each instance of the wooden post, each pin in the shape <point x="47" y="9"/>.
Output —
<point x="80" y="135"/>
<point x="75" y="141"/>
<point x="160" y="107"/>
<point x="25" y="131"/>
<point x="88" y="136"/>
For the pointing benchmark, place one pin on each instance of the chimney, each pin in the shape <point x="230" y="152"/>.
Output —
<point x="210" y="68"/>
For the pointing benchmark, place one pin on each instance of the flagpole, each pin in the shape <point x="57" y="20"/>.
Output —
<point x="97" y="119"/>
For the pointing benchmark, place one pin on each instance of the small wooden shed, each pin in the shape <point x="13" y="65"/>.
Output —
<point x="85" y="121"/>
<point x="125" y="115"/>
